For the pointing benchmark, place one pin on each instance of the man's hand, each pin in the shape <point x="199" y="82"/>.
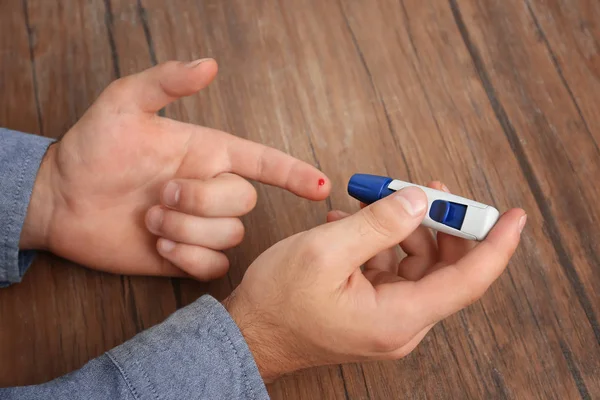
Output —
<point x="307" y="302"/>
<point x="94" y="194"/>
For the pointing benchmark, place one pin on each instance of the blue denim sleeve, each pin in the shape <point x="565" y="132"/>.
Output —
<point x="197" y="353"/>
<point x="20" y="157"/>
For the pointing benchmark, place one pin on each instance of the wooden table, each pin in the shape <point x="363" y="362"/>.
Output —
<point x="499" y="99"/>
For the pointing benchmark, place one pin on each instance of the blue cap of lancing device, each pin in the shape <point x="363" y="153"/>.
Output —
<point x="446" y="212"/>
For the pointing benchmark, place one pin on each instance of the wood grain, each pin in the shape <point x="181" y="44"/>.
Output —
<point x="461" y="112"/>
<point x="498" y="99"/>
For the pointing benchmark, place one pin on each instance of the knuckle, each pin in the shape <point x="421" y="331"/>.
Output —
<point x="246" y="193"/>
<point x="217" y="271"/>
<point x="315" y="252"/>
<point x="237" y="232"/>
<point x="199" y="257"/>
<point x="170" y="64"/>
<point x="249" y="198"/>
<point x="383" y="342"/>
<point x="222" y="262"/>
<point x="260" y="164"/>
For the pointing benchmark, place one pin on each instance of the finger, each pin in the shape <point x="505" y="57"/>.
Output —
<point x="421" y="251"/>
<point x="354" y="240"/>
<point x="273" y="167"/>
<point x="451" y="248"/>
<point x="386" y="260"/>
<point x="419" y="243"/>
<point x="212" y="233"/>
<point x="156" y="87"/>
<point x="199" y="262"/>
<point x="452" y="288"/>
<point x="227" y="195"/>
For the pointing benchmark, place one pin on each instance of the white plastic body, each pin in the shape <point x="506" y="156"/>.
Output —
<point x="479" y="218"/>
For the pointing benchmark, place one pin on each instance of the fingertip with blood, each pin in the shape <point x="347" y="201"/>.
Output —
<point x="323" y="187"/>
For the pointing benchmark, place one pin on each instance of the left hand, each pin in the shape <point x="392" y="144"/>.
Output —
<point x="96" y="185"/>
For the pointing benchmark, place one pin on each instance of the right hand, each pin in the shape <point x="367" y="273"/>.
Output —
<point x="306" y="302"/>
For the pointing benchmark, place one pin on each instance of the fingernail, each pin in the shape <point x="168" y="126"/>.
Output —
<point x="196" y="62"/>
<point x="171" y="194"/>
<point x="522" y="223"/>
<point x="166" y="245"/>
<point x="155" y="218"/>
<point x="445" y="188"/>
<point x="412" y="199"/>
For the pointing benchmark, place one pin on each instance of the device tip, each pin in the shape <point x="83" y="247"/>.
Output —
<point x="368" y="188"/>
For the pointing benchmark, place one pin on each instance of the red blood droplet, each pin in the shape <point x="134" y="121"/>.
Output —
<point x="321" y="182"/>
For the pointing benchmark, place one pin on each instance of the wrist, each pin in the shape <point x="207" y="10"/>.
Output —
<point x="263" y="340"/>
<point x="40" y="211"/>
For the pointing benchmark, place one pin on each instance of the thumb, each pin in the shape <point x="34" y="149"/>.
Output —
<point x="359" y="237"/>
<point x="152" y="89"/>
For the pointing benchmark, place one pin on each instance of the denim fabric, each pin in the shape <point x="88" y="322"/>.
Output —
<point x="197" y="353"/>
<point x="20" y="157"/>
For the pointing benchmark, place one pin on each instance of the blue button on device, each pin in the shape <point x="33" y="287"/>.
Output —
<point x="448" y="213"/>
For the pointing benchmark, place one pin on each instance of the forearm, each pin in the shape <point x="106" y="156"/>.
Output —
<point x="197" y="353"/>
<point x="20" y="158"/>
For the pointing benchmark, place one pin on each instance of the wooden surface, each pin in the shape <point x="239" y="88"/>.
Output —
<point x="500" y="99"/>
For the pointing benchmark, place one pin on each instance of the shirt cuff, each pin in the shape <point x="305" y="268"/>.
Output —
<point x="198" y="352"/>
<point x="20" y="158"/>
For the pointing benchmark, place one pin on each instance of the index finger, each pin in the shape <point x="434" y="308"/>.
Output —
<point x="273" y="167"/>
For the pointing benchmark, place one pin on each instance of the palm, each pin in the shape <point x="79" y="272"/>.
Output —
<point x="113" y="172"/>
<point x="111" y="165"/>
